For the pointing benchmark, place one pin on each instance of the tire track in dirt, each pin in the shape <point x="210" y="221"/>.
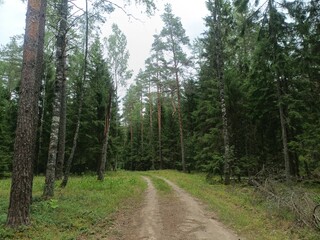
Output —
<point x="176" y="216"/>
<point x="151" y="226"/>
<point x="198" y="224"/>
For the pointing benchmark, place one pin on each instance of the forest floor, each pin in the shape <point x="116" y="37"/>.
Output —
<point x="164" y="205"/>
<point x="172" y="216"/>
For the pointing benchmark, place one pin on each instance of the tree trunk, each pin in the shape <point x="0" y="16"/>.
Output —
<point x="76" y="133"/>
<point x="74" y="146"/>
<point x="55" y="124"/>
<point x="183" y="163"/>
<point x="159" y="125"/>
<point x="151" y="127"/>
<point x="131" y="143"/>
<point x="283" y="133"/>
<point x="219" y="65"/>
<point x="41" y="122"/>
<point x="62" y="132"/>
<point x="141" y="125"/>
<point x="27" y="120"/>
<point x="103" y="159"/>
<point x="175" y="69"/>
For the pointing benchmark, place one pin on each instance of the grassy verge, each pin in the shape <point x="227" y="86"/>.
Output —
<point x="74" y="211"/>
<point x="242" y="209"/>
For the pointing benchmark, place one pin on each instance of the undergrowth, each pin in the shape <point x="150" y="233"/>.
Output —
<point x="243" y="209"/>
<point x="75" y="210"/>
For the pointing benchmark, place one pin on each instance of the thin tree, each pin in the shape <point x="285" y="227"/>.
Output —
<point x="27" y="121"/>
<point x="56" y="115"/>
<point x="106" y="131"/>
<point x="215" y="7"/>
<point x="118" y="57"/>
<point x="84" y="76"/>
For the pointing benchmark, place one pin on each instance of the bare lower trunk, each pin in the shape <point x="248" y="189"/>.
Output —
<point x="159" y="126"/>
<point x="76" y="134"/>
<point x="219" y="65"/>
<point x="103" y="160"/>
<point x="183" y="162"/>
<point x="55" y="125"/>
<point x="151" y="127"/>
<point x="141" y="125"/>
<point x="74" y="146"/>
<point x="62" y="133"/>
<point x="27" y="120"/>
<point x="227" y="150"/>
<point x="284" y="134"/>
<point x="131" y="144"/>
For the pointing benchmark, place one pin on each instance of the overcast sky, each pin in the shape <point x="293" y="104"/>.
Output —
<point x="139" y="33"/>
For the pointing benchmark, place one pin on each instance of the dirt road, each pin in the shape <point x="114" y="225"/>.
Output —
<point x="175" y="217"/>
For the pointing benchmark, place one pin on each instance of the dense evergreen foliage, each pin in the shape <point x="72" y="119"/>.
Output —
<point x="171" y="115"/>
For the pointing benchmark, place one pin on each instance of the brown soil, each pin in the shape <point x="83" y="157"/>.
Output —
<point x="177" y="216"/>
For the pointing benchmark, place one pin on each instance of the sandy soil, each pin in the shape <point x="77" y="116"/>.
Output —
<point x="177" y="216"/>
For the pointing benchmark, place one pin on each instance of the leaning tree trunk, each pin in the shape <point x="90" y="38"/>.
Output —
<point x="74" y="145"/>
<point x="103" y="159"/>
<point x="27" y="120"/>
<point x="219" y="65"/>
<point x="76" y="133"/>
<point x="56" y="112"/>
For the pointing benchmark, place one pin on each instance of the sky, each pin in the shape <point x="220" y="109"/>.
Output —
<point x="139" y="33"/>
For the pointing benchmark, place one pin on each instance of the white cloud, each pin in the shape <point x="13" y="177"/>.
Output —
<point x="12" y="19"/>
<point x="139" y="33"/>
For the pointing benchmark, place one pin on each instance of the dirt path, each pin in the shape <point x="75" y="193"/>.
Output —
<point x="177" y="216"/>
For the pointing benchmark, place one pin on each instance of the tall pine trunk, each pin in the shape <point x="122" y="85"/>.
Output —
<point x="56" y="111"/>
<point x="27" y="120"/>
<point x="176" y="74"/>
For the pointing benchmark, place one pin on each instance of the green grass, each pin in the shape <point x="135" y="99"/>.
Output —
<point x="76" y="210"/>
<point x="162" y="187"/>
<point x="242" y="209"/>
<point x="84" y="209"/>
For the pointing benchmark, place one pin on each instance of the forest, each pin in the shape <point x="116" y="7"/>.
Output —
<point x="240" y="101"/>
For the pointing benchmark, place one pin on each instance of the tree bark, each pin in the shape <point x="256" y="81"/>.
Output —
<point x="55" y="124"/>
<point x="62" y="132"/>
<point x="159" y="125"/>
<point x="219" y="65"/>
<point x="102" y="167"/>
<point x="27" y="120"/>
